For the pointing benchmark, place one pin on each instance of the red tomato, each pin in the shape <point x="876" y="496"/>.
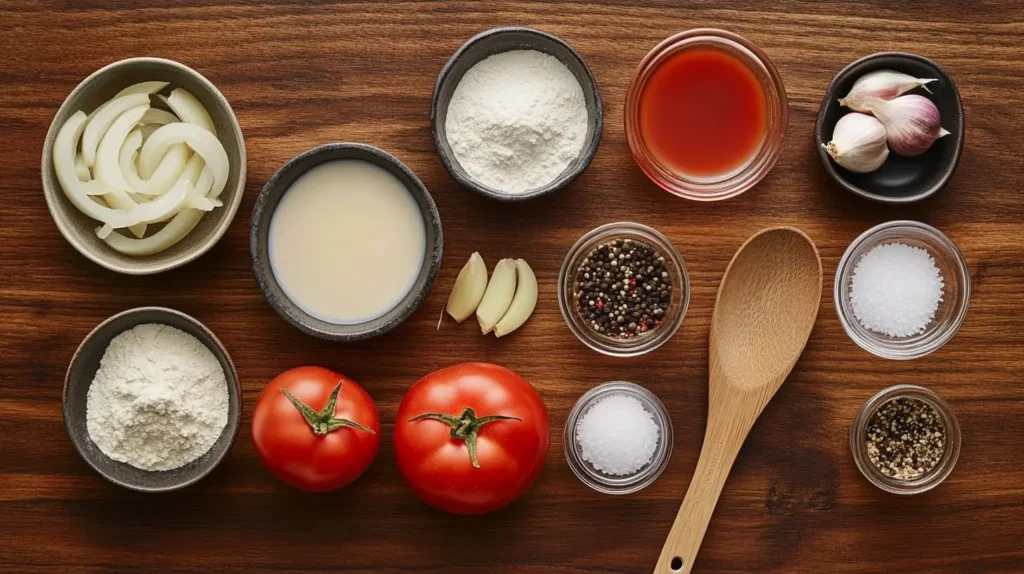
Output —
<point x="471" y="438"/>
<point x="315" y="429"/>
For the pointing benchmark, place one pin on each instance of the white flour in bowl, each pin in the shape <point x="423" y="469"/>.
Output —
<point x="159" y="399"/>
<point x="517" y="120"/>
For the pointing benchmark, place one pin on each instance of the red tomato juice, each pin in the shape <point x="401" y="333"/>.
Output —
<point x="703" y="113"/>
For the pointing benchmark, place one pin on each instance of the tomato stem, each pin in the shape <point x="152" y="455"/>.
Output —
<point x="465" y="427"/>
<point x="324" y="422"/>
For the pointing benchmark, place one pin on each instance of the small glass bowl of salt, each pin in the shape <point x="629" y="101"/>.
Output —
<point x="618" y="438"/>
<point x="902" y="290"/>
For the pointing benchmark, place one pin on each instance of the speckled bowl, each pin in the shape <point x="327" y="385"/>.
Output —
<point x="259" y="229"/>
<point x="82" y="370"/>
<point x="496" y="41"/>
<point x="80" y="230"/>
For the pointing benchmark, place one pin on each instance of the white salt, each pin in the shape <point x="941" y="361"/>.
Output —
<point x="896" y="290"/>
<point x="618" y="436"/>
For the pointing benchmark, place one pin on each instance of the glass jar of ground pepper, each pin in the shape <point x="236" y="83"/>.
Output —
<point x="623" y="289"/>
<point x="905" y="439"/>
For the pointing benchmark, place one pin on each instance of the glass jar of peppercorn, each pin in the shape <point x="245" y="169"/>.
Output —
<point x="623" y="289"/>
<point x="905" y="439"/>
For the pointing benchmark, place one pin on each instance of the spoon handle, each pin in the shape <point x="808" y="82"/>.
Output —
<point x="722" y="443"/>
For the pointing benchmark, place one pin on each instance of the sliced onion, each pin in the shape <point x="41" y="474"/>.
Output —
<point x="158" y="116"/>
<point x="189" y="109"/>
<point x="142" y="88"/>
<point x="107" y="167"/>
<point x="169" y="169"/>
<point x="78" y="192"/>
<point x="193" y="172"/>
<point x="126" y="161"/>
<point x="148" y="129"/>
<point x="201" y="141"/>
<point x="101" y="121"/>
<point x="175" y="230"/>
<point x="83" y="170"/>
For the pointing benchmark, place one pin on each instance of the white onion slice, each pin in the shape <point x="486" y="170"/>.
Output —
<point x="100" y="122"/>
<point x="126" y="161"/>
<point x="188" y="108"/>
<point x="142" y="88"/>
<point x="78" y="192"/>
<point x="148" y="129"/>
<point x="158" y="116"/>
<point x="107" y="167"/>
<point x="175" y="230"/>
<point x="83" y="170"/>
<point x="201" y="141"/>
<point x="193" y="172"/>
<point x="168" y="171"/>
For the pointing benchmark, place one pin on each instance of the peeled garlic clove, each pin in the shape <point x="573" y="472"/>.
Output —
<point x="913" y="123"/>
<point x="858" y="143"/>
<point x="882" y="84"/>
<point x="498" y="296"/>
<point x="469" y="289"/>
<point x="523" y="303"/>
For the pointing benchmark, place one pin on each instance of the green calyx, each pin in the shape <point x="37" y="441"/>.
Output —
<point x="465" y="427"/>
<point x="324" y="422"/>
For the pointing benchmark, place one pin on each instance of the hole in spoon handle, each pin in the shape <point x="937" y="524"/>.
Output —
<point x="677" y="564"/>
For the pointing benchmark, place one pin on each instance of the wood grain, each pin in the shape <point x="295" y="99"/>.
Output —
<point x="300" y="74"/>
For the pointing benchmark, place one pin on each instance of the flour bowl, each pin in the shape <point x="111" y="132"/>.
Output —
<point x="82" y="371"/>
<point x="496" y="41"/>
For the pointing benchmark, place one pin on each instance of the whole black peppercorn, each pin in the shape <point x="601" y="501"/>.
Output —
<point x="622" y="288"/>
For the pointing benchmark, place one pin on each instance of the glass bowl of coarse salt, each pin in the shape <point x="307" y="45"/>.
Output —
<point x="902" y="290"/>
<point x="618" y="438"/>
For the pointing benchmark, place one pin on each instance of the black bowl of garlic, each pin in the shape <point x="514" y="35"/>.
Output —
<point x="891" y="128"/>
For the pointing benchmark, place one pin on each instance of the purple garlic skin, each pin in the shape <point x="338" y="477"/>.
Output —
<point x="912" y="123"/>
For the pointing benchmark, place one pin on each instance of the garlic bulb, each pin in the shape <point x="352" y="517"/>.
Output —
<point x="884" y="84"/>
<point x="912" y="122"/>
<point x="858" y="143"/>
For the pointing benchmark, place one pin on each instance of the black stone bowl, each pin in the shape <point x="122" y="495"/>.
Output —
<point x="82" y="371"/>
<point x="900" y="179"/>
<point x="259" y="228"/>
<point x="496" y="41"/>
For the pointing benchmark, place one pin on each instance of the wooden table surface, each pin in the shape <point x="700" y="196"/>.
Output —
<point x="300" y="74"/>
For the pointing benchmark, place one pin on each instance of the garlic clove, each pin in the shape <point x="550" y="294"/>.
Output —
<point x="523" y="303"/>
<point x="498" y="296"/>
<point x="469" y="289"/>
<point x="858" y="143"/>
<point x="883" y="84"/>
<point x="912" y="122"/>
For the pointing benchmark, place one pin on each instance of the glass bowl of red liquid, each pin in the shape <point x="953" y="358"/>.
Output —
<point x="706" y="114"/>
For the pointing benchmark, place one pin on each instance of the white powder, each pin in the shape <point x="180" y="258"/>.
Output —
<point x="517" y="120"/>
<point x="159" y="399"/>
<point x="617" y="435"/>
<point x="896" y="290"/>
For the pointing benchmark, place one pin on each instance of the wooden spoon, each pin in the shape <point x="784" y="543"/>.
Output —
<point x="766" y="307"/>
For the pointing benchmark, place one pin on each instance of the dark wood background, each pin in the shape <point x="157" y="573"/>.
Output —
<point x="300" y="74"/>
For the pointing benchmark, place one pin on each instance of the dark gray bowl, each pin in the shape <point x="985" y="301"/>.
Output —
<point x="101" y="85"/>
<point x="82" y="370"/>
<point x="495" y="41"/>
<point x="259" y="228"/>
<point x="900" y="179"/>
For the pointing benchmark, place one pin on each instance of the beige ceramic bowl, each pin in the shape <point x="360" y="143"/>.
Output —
<point x="79" y="229"/>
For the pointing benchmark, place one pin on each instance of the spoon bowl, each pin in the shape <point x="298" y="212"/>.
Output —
<point x="766" y="307"/>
